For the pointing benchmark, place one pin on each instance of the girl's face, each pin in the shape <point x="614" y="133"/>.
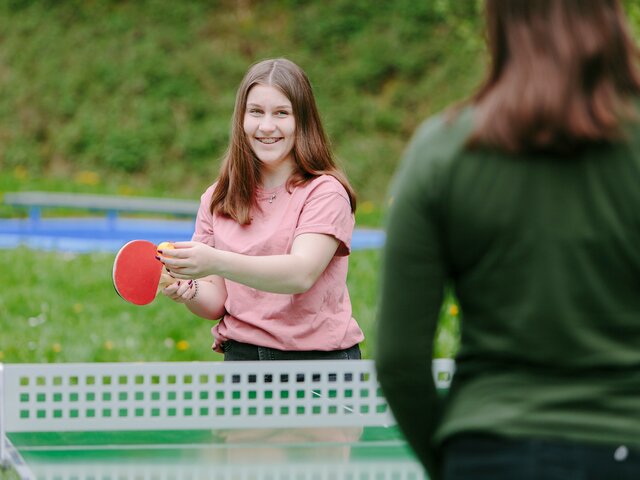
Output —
<point x="270" y="126"/>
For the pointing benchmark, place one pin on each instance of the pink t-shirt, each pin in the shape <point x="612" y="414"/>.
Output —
<point x="318" y="319"/>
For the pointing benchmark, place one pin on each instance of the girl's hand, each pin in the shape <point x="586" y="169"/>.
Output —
<point x="188" y="260"/>
<point x="181" y="291"/>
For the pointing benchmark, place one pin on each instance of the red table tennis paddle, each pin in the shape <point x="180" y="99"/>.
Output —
<point x="137" y="275"/>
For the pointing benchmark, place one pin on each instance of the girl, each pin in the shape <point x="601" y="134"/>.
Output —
<point x="269" y="254"/>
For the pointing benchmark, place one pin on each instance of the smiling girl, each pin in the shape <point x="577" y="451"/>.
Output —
<point x="269" y="254"/>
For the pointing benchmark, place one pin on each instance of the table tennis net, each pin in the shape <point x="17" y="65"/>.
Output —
<point x="195" y="395"/>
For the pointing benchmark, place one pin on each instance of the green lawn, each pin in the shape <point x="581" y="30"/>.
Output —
<point x="60" y="307"/>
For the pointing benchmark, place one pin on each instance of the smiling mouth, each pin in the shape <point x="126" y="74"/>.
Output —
<point x="268" y="140"/>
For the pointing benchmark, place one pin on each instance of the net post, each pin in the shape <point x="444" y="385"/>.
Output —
<point x="443" y="370"/>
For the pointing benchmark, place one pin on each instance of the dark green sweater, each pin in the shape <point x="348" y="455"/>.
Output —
<point x="543" y="254"/>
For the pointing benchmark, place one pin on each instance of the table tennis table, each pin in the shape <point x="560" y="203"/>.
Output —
<point x="298" y="420"/>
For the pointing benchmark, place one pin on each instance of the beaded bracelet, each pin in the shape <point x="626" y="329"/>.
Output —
<point x="195" y="283"/>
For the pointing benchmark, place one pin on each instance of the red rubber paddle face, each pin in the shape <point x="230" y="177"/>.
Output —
<point x="136" y="272"/>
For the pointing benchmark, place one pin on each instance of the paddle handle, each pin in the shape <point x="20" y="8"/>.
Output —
<point x="165" y="280"/>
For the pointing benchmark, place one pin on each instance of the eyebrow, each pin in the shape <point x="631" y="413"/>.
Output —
<point x="277" y="107"/>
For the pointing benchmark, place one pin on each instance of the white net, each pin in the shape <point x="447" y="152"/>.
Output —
<point x="195" y="395"/>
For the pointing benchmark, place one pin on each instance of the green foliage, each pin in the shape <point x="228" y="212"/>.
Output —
<point x="632" y="9"/>
<point x="144" y="90"/>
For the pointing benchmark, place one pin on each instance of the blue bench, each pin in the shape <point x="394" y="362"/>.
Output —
<point x="109" y="233"/>
<point x="111" y="205"/>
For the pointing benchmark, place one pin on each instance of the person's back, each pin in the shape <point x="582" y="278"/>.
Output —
<point x="544" y="255"/>
<point x="538" y="232"/>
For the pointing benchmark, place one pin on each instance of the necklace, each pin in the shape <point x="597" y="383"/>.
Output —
<point x="272" y="197"/>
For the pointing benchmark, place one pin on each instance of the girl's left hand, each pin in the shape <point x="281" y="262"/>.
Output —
<point x="188" y="260"/>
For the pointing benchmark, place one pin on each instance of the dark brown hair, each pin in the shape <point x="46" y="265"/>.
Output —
<point x="562" y="75"/>
<point x="234" y="194"/>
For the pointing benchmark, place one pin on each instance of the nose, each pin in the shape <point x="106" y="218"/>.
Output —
<point x="267" y="125"/>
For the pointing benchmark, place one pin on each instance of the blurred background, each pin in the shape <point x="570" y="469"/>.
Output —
<point x="135" y="98"/>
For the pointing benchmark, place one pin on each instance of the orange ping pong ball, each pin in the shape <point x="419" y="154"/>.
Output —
<point x="165" y="246"/>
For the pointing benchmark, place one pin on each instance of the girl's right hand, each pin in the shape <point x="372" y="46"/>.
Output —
<point x="180" y="291"/>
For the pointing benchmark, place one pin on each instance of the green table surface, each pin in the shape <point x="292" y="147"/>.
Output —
<point x="331" y="453"/>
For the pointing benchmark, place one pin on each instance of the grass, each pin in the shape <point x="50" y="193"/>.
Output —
<point x="8" y="475"/>
<point x="60" y="307"/>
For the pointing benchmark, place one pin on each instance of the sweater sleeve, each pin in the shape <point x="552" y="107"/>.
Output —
<point x="412" y="284"/>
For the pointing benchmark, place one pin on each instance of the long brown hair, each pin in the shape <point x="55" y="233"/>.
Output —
<point x="562" y="75"/>
<point x="234" y="195"/>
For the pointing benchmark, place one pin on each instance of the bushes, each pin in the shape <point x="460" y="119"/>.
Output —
<point x="123" y="86"/>
<point x="127" y="87"/>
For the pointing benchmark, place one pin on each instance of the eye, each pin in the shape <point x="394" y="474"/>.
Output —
<point x="282" y="114"/>
<point x="254" y="112"/>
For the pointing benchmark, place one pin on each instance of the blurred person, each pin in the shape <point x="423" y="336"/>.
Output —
<point x="269" y="254"/>
<point x="525" y="201"/>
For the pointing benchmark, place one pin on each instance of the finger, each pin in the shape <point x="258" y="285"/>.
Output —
<point x="169" y="253"/>
<point x="170" y="263"/>
<point x="173" y="292"/>
<point x="192" y="290"/>
<point x="182" y="276"/>
<point x="170" y="291"/>
<point x="189" y="291"/>
<point x="185" y="244"/>
<point x="187" y="286"/>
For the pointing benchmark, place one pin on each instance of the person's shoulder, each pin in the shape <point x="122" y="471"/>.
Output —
<point x="325" y="181"/>
<point x="438" y="141"/>
<point x="433" y="152"/>
<point x="445" y="132"/>
<point x="208" y="193"/>
<point x="325" y="184"/>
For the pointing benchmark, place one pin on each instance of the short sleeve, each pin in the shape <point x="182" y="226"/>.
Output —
<point x="327" y="210"/>
<point x="203" y="230"/>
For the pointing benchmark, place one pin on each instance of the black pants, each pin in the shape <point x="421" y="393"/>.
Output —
<point x="479" y="457"/>
<point x="234" y="351"/>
